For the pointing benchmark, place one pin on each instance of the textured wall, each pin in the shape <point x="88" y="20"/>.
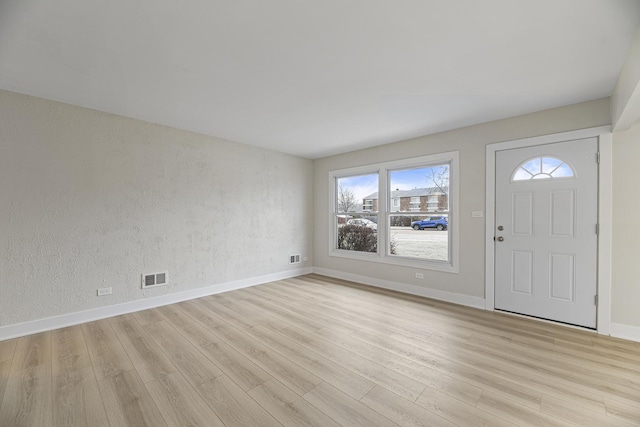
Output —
<point x="470" y="142"/>
<point x="89" y="200"/>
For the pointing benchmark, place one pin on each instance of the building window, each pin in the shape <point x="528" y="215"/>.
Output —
<point x="414" y="205"/>
<point x="412" y="223"/>
<point x="433" y="202"/>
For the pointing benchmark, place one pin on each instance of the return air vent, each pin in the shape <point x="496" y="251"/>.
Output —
<point x="294" y="259"/>
<point x="155" y="279"/>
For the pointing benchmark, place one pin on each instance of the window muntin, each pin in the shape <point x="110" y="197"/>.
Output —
<point x="391" y="211"/>
<point x="542" y="168"/>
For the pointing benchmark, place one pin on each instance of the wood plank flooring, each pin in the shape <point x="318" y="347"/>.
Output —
<point x="315" y="351"/>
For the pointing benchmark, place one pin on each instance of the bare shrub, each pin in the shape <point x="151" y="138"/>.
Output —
<point x="357" y="238"/>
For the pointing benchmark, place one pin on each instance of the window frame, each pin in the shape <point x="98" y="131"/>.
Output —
<point x="333" y="210"/>
<point x="385" y="211"/>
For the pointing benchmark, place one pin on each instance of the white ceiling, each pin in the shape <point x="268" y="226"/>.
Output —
<point x="315" y="78"/>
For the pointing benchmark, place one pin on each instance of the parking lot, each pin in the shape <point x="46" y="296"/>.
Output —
<point x="427" y="244"/>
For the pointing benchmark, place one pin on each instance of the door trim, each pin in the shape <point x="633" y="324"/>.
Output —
<point x="605" y="181"/>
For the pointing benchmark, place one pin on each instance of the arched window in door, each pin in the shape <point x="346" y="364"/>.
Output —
<point x="542" y="168"/>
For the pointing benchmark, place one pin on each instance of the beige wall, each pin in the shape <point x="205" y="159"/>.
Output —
<point x="625" y="303"/>
<point x="470" y="142"/>
<point x="625" y="99"/>
<point x="91" y="200"/>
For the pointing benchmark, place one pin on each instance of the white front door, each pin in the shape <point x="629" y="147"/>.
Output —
<point x="546" y="240"/>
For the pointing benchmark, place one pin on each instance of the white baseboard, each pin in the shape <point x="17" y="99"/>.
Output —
<point x="56" y="322"/>
<point x="452" y="297"/>
<point x="626" y="332"/>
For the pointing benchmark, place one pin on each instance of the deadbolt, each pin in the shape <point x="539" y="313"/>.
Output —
<point x="500" y="228"/>
<point x="500" y="239"/>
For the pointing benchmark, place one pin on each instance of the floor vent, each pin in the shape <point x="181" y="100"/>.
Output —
<point x="155" y="279"/>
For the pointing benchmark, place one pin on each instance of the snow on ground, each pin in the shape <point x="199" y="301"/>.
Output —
<point x="425" y="244"/>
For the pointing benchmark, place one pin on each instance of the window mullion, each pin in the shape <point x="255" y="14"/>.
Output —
<point x="383" y="208"/>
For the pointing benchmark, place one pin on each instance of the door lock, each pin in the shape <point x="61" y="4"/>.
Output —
<point x="500" y="228"/>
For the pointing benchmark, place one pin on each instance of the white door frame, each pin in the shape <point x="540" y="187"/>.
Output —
<point x="605" y="185"/>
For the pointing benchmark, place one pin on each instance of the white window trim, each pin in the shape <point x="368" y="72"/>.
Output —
<point x="383" y="169"/>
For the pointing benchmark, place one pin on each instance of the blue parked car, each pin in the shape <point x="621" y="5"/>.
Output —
<point x="437" y="222"/>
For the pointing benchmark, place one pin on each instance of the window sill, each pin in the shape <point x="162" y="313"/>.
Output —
<point x="443" y="266"/>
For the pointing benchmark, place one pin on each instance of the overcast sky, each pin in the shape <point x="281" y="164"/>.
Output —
<point x="406" y="179"/>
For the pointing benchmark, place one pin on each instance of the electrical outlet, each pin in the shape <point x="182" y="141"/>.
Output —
<point x="305" y="259"/>
<point x="104" y="291"/>
<point x="419" y="276"/>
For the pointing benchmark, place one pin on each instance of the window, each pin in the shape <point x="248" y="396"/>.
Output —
<point x="419" y="235"/>
<point x="395" y="204"/>
<point x="414" y="205"/>
<point x="433" y="202"/>
<point x="399" y="212"/>
<point x="355" y="213"/>
<point x="542" y="168"/>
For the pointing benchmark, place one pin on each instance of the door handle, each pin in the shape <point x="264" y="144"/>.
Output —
<point x="500" y="239"/>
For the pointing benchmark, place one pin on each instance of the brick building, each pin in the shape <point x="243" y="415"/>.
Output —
<point x="433" y="199"/>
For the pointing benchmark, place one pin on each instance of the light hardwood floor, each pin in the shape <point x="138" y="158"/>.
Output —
<point x="315" y="351"/>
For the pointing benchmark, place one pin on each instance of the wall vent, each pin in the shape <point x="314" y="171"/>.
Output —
<point x="154" y="279"/>
<point x="294" y="259"/>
